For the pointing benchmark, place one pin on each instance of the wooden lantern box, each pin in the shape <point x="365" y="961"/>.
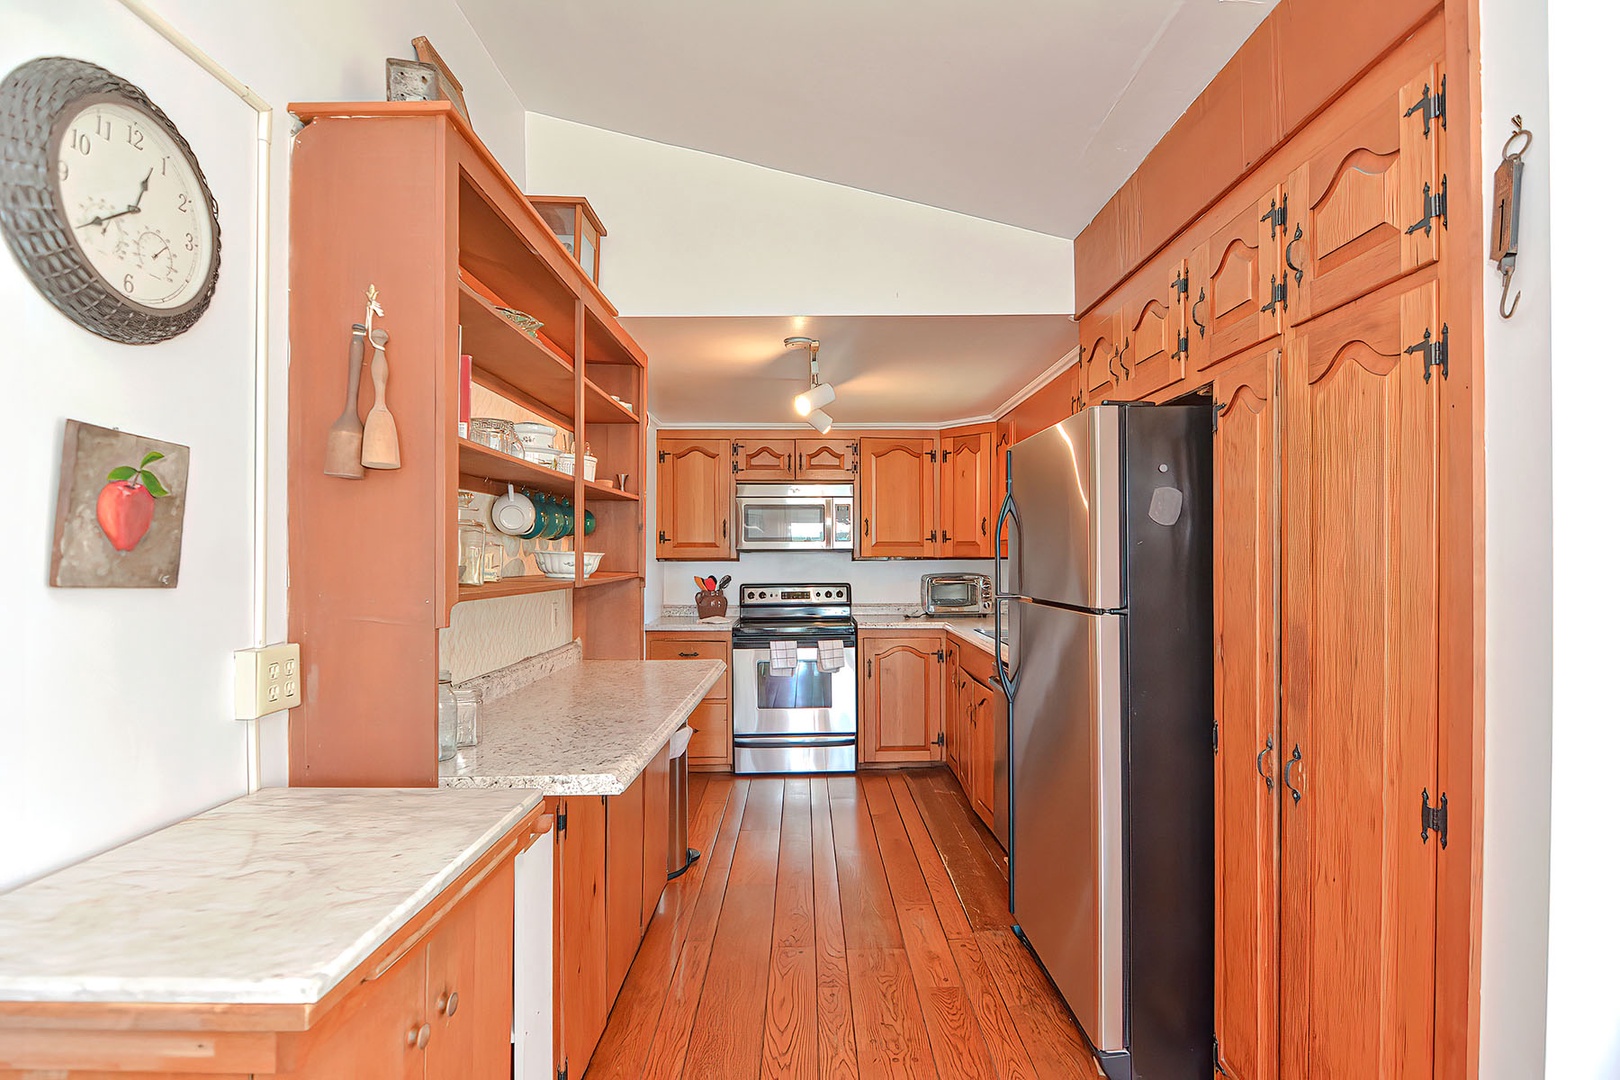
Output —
<point x="577" y="226"/>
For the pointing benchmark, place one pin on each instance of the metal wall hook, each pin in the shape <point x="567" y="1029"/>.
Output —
<point x="1504" y="307"/>
<point x="1519" y="131"/>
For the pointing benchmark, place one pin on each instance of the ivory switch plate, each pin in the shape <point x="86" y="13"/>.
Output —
<point x="268" y="680"/>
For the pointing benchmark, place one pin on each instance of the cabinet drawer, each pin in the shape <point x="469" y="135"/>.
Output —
<point x="670" y="648"/>
<point x="711" y="734"/>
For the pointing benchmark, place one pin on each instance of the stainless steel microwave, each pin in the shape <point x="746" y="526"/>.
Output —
<point x="795" y="517"/>
<point x="957" y="594"/>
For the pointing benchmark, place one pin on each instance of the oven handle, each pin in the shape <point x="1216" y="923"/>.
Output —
<point x="768" y="742"/>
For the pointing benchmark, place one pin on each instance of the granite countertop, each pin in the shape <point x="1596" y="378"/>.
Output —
<point x="960" y="627"/>
<point x="585" y="729"/>
<point x="273" y="898"/>
<point x="689" y="623"/>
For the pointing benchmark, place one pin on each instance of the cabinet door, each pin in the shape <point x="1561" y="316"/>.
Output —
<point x="695" y="499"/>
<point x="654" y="833"/>
<point x="950" y="708"/>
<point x="1152" y="350"/>
<point x="764" y="459"/>
<point x="900" y="698"/>
<point x="625" y="866"/>
<point x="368" y="1037"/>
<point x="825" y="460"/>
<point x="711" y="734"/>
<point x="1360" y="202"/>
<point x="1099" y="352"/>
<point x="1235" y="272"/>
<point x="964" y="484"/>
<point x="897" y="499"/>
<point x="1247" y="761"/>
<point x="1359" y="679"/>
<point x="983" y="751"/>
<point x="582" y="999"/>
<point x="469" y="986"/>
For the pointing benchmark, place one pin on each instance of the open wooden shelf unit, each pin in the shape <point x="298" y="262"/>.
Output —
<point x="404" y="196"/>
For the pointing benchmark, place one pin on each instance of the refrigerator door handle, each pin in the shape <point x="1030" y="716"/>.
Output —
<point x="1006" y="676"/>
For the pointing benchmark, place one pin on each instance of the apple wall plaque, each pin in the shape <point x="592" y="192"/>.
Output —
<point x="120" y="510"/>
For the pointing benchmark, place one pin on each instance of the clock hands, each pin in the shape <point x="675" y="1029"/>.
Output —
<point x="133" y="208"/>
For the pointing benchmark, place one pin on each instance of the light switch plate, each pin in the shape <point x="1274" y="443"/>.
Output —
<point x="268" y="680"/>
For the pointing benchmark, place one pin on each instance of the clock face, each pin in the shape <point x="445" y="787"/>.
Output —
<point x="135" y="204"/>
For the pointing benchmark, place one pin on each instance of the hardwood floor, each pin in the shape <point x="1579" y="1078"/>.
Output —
<point x="838" y="927"/>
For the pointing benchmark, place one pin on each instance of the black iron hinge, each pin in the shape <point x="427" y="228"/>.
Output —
<point x="939" y="739"/>
<point x="1434" y="206"/>
<point x="562" y="819"/>
<point x="1279" y="294"/>
<point x="939" y="654"/>
<point x="562" y="1070"/>
<point x="1436" y="354"/>
<point x="1277" y="215"/>
<point x="1180" y="283"/>
<point x="1183" y="340"/>
<point x="947" y="455"/>
<point x="1434" y="817"/>
<point x="1215" y="737"/>
<point x="1218" y="1066"/>
<point x="663" y="456"/>
<point x="1432" y="105"/>
<point x="933" y="456"/>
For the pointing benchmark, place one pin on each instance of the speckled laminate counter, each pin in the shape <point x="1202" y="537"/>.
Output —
<point x="692" y="622"/>
<point x="587" y="729"/>
<point x="270" y="899"/>
<point x="960" y="628"/>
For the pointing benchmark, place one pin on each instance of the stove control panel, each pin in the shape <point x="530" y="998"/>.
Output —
<point x="838" y="593"/>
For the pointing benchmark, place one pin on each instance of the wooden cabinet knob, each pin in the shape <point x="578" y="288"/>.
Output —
<point x="448" y="1003"/>
<point x="418" y="1036"/>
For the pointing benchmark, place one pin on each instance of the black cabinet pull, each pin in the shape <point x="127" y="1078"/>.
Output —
<point x="725" y="527"/>
<point x="1259" y="763"/>
<point x="984" y="526"/>
<point x="1288" y="770"/>
<point x="690" y="655"/>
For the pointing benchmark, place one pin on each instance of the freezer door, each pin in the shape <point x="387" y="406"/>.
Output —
<point x="1067" y="813"/>
<point x="1066" y="486"/>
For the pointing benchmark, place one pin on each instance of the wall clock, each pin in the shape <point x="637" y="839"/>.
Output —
<point x="103" y="204"/>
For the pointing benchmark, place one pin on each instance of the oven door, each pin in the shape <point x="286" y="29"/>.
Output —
<point x="807" y="702"/>
<point x="955" y="594"/>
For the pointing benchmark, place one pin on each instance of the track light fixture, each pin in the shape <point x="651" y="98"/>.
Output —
<point x="810" y="403"/>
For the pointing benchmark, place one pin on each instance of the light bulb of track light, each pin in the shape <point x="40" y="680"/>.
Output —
<point x="820" y="421"/>
<point x="813" y="399"/>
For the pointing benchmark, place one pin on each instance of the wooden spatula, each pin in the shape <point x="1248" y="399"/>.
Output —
<point x="380" y="449"/>
<point x="344" y="438"/>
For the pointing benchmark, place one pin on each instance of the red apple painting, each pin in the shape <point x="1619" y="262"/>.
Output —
<point x="120" y="509"/>
<point x="124" y="507"/>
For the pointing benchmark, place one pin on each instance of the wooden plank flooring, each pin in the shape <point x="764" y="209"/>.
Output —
<point x="838" y="927"/>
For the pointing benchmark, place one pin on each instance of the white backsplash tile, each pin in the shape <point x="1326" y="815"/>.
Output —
<point x="485" y="635"/>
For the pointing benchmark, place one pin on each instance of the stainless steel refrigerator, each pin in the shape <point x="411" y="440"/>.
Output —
<point x="1109" y="671"/>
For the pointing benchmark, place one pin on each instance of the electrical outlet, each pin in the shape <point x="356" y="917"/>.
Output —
<point x="268" y="680"/>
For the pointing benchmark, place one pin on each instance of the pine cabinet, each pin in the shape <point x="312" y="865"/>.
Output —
<point x="582" y="937"/>
<point x="973" y="708"/>
<point x="824" y="461"/>
<point x="1360" y="611"/>
<point x="695" y="499"/>
<point x="1058" y="400"/>
<point x="1235" y="279"/>
<point x="1365" y="207"/>
<point x="1100" y="352"/>
<point x="901" y="692"/>
<point x="965" y="492"/>
<point x="1155" y="341"/>
<point x="626" y="865"/>
<point x="1247" y="760"/>
<point x="711" y="720"/>
<point x="897" y="499"/>
<point x="764" y="459"/>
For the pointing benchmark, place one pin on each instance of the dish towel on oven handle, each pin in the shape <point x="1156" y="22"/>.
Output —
<point x="830" y="655"/>
<point x="784" y="657"/>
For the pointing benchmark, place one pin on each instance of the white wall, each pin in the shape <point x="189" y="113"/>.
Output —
<point x="1583" y="1005"/>
<point x="122" y="722"/>
<point x="1518" y="569"/>
<point x="691" y="233"/>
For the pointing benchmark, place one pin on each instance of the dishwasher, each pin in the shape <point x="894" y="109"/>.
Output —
<point x="681" y="857"/>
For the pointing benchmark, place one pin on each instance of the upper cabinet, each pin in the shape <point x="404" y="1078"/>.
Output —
<point x="825" y="461"/>
<point x="1057" y="400"/>
<point x="695" y="488"/>
<point x="1099" y="352"/>
<point x="1235" y="282"/>
<point x="764" y="459"/>
<point x="1153" y="341"/>
<point x="897" y="499"/>
<point x="1369" y="204"/>
<point x="965" y="477"/>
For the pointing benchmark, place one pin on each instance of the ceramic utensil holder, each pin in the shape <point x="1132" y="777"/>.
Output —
<point x="710" y="604"/>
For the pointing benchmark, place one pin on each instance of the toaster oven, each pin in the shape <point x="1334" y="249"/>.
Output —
<point x="957" y="594"/>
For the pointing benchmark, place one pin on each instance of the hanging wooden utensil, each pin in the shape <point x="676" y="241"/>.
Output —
<point x="343" y="439"/>
<point x="380" y="449"/>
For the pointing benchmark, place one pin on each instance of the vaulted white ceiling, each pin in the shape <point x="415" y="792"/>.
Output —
<point x="1028" y="112"/>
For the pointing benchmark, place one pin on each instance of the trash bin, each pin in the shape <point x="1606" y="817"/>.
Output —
<point x="681" y="857"/>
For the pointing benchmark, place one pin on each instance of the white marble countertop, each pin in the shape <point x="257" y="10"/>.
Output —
<point x="588" y="729"/>
<point x="270" y="899"/>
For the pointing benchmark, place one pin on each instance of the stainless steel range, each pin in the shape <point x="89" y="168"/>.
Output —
<point x="794" y="711"/>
